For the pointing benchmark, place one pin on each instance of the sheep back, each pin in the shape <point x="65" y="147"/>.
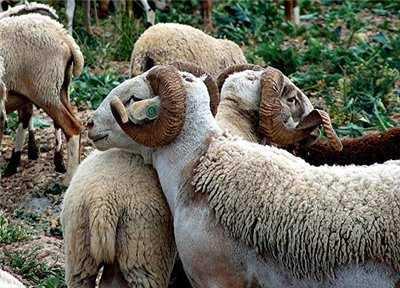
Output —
<point x="366" y="150"/>
<point x="37" y="50"/>
<point x="164" y="43"/>
<point x="115" y="191"/>
<point x="310" y="218"/>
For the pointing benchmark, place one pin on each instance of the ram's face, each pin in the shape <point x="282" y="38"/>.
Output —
<point x="295" y="105"/>
<point x="104" y="131"/>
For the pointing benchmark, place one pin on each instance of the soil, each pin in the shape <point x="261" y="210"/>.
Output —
<point x="36" y="191"/>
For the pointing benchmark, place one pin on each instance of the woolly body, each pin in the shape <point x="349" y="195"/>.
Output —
<point x="82" y="192"/>
<point x="114" y="210"/>
<point x="40" y="59"/>
<point x="233" y="261"/>
<point x="164" y="43"/>
<point x="276" y="202"/>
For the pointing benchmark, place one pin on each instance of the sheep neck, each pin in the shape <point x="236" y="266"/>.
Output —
<point x="238" y="121"/>
<point x="169" y="161"/>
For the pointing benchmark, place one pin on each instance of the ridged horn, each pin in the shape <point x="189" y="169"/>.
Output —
<point x="198" y="71"/>
<point x="272" y="124"/>
<point x="333" y="139"/>
<point x="233" y="69"/>
<point x="166" y="82"/>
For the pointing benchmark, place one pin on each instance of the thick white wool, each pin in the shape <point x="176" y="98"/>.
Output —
<point x="312" y="219"/>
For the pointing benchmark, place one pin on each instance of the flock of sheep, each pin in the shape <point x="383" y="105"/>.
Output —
<point x="200" y="158"/>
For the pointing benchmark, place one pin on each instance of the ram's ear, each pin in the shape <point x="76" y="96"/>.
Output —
<point x="166" y="82"/>
<point x="148" y="109"/>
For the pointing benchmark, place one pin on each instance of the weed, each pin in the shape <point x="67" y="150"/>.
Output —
<point x="12" y="232"/>
<point x="88" y="91"/>
<point x="31" y="269"/>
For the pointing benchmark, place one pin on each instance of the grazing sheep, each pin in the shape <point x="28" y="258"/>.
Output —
<point x="8" y="281"/>
<point x="40" y="75"/>
<point x="373" y="148"/>
<point x="257" y="215"/>
<point x="135" y="252"/>
<point x="164" y="43"/>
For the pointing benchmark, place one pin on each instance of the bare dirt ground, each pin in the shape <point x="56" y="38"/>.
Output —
<point x="37" y="190"/>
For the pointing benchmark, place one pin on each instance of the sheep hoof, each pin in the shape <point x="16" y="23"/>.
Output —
<point x="15" y="161"/>
<point x="33" y="152"/>
<point x="59" y="162"/>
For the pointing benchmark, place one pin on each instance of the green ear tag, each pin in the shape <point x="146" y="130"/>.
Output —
<point x="151" y="111"/>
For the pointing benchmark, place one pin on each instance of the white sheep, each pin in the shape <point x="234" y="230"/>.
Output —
<point x="246" y="214"/>
<point x="83" y="197"/>
<point x="104" y="219"/>
<point x="164" y="43"/>
<point x="40" y="75"/>
<point x="9" y="281"/>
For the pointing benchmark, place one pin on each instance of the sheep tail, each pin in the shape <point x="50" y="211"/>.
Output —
<point x="102" y="236"/>
<point x="77" y="56"/>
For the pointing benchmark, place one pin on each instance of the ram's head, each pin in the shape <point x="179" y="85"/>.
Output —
<point x="146" y="99"/>
<point x="286" y="115"/>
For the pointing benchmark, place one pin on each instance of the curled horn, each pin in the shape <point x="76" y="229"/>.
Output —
<point x="233" y="69"/>
<point x="166" y="82"/>
<point x="198" y="71"/>
<point x="272" y="124"/>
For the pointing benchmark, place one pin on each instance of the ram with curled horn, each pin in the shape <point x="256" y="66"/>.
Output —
<point x="252" y="214"/>
<point x="283" y="105"/>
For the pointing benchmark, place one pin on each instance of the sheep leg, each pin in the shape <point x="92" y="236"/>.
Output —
<point x="33" y="151"/>
<point x="24" y="117"/>
<point x="64" y="118"/>
<point x="86" y="12"/>
<point x="58" y="154"/>
<point x="206" y="7"/>
<point x="70" y="10"/>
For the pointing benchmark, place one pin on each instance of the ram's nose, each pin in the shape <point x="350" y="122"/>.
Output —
<point x="90" y="124"/>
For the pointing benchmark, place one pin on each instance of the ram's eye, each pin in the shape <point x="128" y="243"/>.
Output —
<point x="291" y="99"/>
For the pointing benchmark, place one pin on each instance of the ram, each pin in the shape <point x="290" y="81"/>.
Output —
<point x="164" y="43"/>
<point x="83" y="197"/>
<point x="116" y="220"/>
<point x="257" y="215"/>
<point x="39" y="61"/>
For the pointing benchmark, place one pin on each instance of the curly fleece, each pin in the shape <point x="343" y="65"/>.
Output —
<point x="312" y="219"/>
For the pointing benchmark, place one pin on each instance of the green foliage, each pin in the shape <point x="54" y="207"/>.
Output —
<point x="31" y="269"/>
<point x="89" y="91"/>
<point x="12" y="231"/>
<point x="366" y="94"/>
